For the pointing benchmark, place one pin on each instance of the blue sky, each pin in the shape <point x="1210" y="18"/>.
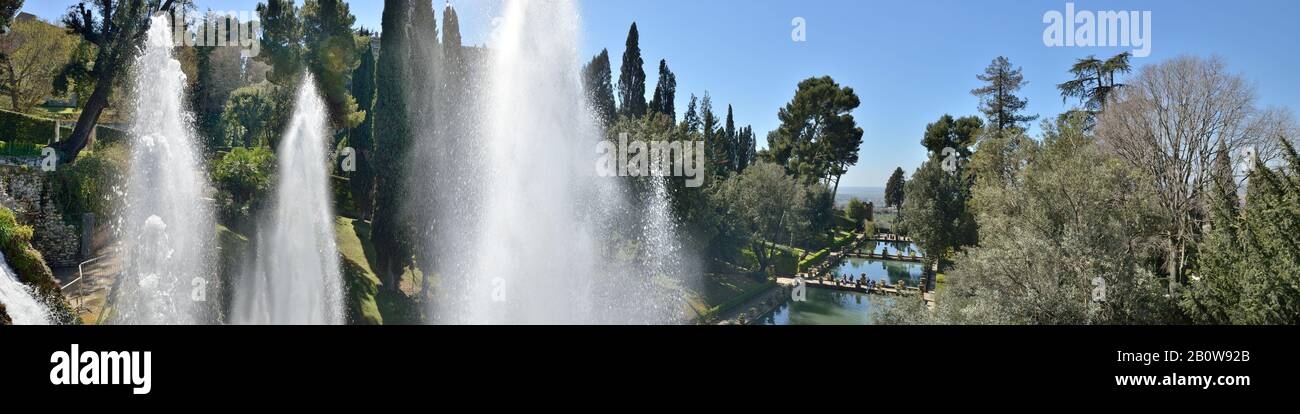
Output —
<point x="910" y="61"/>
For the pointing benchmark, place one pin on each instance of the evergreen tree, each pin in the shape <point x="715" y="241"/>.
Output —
<point x="959" y="134"/>
<point x="717" y="149"/>
<point x="733" y="140"/>
<point x="330" y="53"/>
<point x="451" y="42"/>
<point x="392" y="141"/>
<point x="361" y="138"/>
<point x="1249" y="265"/>
<point x="281" y="47"/>
<point x="426" y="54"/>
<point x="207" y="118"/>
<point x="691" y="120"/>
<point x="751" y="153"/>
<point x="1094" y="80"/>
<point x="631" y="80"/>
<point x="818" y="139"/>
<point x="453" y="56"/>
<point x="998" y="101"/>
<point x="894" y="189"/>
<point x="597" y="80"/>
<point x="665" y="92"/>
<point x="745" y="148"/>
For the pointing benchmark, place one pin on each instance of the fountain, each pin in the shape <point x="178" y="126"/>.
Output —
<point x="543" y="233"/>
<point x="297" y="278"/>
<point x="20" y="300"/>
<point x="167" y="224"/>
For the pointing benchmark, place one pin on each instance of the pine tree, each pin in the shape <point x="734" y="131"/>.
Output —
<point x="631" y="80"/>
<point x="1094" y="80"/>
<point x="998" y="101"/>
<point x="330" y="54"/>
<point x="818" y="139"/>
<point x="281" y="47"/>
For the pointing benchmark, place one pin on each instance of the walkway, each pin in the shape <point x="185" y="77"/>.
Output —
<point x="928" y="297"/>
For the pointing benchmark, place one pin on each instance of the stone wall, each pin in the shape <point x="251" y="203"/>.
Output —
<point x="28" y="193"/>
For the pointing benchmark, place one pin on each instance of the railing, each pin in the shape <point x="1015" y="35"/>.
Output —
<point x="81" y="290"/>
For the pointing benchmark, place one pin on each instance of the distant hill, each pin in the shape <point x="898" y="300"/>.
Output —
<point x="871" y="194"/>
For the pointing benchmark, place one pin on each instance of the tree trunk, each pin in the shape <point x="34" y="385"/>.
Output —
<point x="759" y="254"/>
<point x="835" y="191"/>
<point x="15" y="98"/>
<point x="1174" y="264"/>
<point x="70" y="148"/>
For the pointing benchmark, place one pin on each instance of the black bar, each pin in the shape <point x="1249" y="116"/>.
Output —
<point x="340" y="362"/>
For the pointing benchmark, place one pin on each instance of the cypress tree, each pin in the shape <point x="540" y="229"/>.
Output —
<point x="392" y="141"/>
<point x="596" y="79"/>
<point x="361" y="138"/>
<point x="665" y="92"/>
<point x="631" y="80"/>
<point x="733" y="141"/>
<point x="452" y="54"/>
<point x="691" y="120"/>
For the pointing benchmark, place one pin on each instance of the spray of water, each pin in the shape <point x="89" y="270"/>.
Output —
<point x="297" y="279"/>
<point x="547" y="238"/>
<point x="20" y="300"/>
<point x="167" y="226"/>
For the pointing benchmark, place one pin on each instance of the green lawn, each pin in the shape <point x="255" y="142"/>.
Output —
<point x="368" y="303"/>
<point x="361" y="282"/>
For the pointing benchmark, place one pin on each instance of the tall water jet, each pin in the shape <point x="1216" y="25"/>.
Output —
<point x="20" y="300"/>
<point x="548" y="232"/>
<point x="297" y="278"/>
<point x="167" y="226"/>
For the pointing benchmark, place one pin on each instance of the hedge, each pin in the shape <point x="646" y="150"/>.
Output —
<point x="816" y="258"/>
<point x="18" y="127"/>
<point x="711" y="314"/>
<point x="22" y="128"/>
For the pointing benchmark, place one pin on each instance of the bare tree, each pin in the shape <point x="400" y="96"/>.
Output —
<point x="1170" y="122"/>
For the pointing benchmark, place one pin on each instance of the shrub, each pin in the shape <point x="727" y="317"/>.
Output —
<point x="107" y="137"/>
<point x="243" y="178"/>
<point x="90" y="184"/>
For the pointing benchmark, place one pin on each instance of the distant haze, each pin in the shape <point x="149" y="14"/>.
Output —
<point x="871" y="194"/>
